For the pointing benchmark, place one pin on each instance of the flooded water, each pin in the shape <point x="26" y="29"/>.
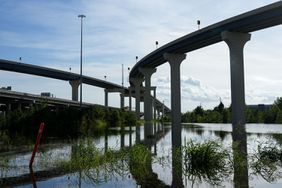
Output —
<point x="161" y="171"/>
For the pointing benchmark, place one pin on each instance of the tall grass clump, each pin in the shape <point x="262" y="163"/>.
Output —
<point x="267" y="162"/>
<point x="206" y="161"/>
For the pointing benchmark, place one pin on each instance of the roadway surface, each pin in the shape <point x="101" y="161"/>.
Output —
<point x="261" y="18"/>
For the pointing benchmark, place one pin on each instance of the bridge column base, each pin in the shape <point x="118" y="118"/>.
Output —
<point x="175" y="60"/>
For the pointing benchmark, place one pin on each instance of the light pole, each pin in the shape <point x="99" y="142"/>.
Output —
<point x="122" y="75"/>
<point x="198" y="23"/>
<point x="81" y="16"/>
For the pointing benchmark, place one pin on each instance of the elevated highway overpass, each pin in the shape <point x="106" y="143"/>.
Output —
<point x="235" y="32"/>
<point x="74" y="80"/>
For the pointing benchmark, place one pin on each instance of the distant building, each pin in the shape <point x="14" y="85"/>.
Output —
<point x="7" y="88"/>
<point x="46" y="94"/>
<point x="259" y="106"/>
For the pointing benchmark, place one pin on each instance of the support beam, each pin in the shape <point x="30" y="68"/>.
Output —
<point x="121" y="100"/>
<point x="137" y="84"/>
<point x="130" y="99"/>
<point x="236" y="42"/>
<point x="106" y="98"/>
<point x="74" y="88"/>
<point x="154" y="103"/>
<point x="175" y="60"/>
<point x="147" y="72"/>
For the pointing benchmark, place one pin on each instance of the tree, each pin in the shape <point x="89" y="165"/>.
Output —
<point x="278" y="102"/>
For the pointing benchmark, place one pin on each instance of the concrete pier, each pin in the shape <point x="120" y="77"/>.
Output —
<point x="74" y="88"/>
<point x="147" y="72"/>
<point x="175" y="60"/>
<point x="236" y="42"/>
<point x="137" y="86"/>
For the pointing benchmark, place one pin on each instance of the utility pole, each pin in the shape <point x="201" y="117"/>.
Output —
<point x="81" y="24"/>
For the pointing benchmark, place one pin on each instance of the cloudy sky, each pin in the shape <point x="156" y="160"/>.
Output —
<point x="47" y="33"/>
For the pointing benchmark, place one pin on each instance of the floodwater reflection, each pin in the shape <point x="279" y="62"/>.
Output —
<point x="134" y="158"/>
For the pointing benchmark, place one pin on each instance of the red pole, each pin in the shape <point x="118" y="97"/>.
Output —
<point x="41" y="127"/>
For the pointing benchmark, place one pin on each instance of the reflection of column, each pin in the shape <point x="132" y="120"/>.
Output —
<point x="177" y="168"/>
<point x="106" y="140"/>
<point x="175" y="60"/>
<point x="148" y="133"/>
<point x="130" y="136"/>
<point x="122" y="139"/>
<point x="137" y="132"/>
<point x="106" y="97"/>
<point x="241" y="178"/>
<point x="74" y="87"/>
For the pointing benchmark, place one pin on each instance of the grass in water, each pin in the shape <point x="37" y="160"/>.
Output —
<point x="97" y="165"/>
<point x="206" y="161"/>
<point x="267" y="162"/>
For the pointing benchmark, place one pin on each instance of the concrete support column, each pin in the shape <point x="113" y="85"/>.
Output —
<point x="130" y="99"/>
<point x="122" y="100"/>
<point x="175" y="60"/>
<point x="106" y="98"/>
<point x="137" y="85"/>
<point x="74" y="87"/>
<point x="236" y="42"/>
<point x="154" y="104"/>
<point x="163" y="112"/>
<point x="147" y="72"/>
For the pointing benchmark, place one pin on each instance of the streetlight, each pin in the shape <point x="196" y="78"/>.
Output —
<point x="122" y="75"/>
<point x="136" y="58"/>
<point x="157" y="43"/>
<point x="128" y="68"/>
<point x="81" y="16"/>
<point x="198" y="22"/>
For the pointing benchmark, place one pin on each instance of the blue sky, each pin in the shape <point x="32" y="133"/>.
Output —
<point x="47" y="33"/>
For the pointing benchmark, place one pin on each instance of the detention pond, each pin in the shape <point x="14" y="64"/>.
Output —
<point x="209" y="158"/>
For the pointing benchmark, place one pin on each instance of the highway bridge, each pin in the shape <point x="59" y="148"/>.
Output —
<point x="235" y="32"/>
<point x="74" y="80"/>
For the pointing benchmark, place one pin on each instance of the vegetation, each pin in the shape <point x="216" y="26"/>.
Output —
<point x="220" y="114"/>
<point x="64" y="122"/>
<point x="206" y="161"/>
<point x="267" y="162"/>
<point x="97" y="166"/>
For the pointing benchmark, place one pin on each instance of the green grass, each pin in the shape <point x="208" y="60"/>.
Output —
<point x="206" y="161"/>
<point x="267" y="162"/>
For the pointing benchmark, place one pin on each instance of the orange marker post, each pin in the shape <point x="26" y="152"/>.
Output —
<point x="41" y="127"/>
